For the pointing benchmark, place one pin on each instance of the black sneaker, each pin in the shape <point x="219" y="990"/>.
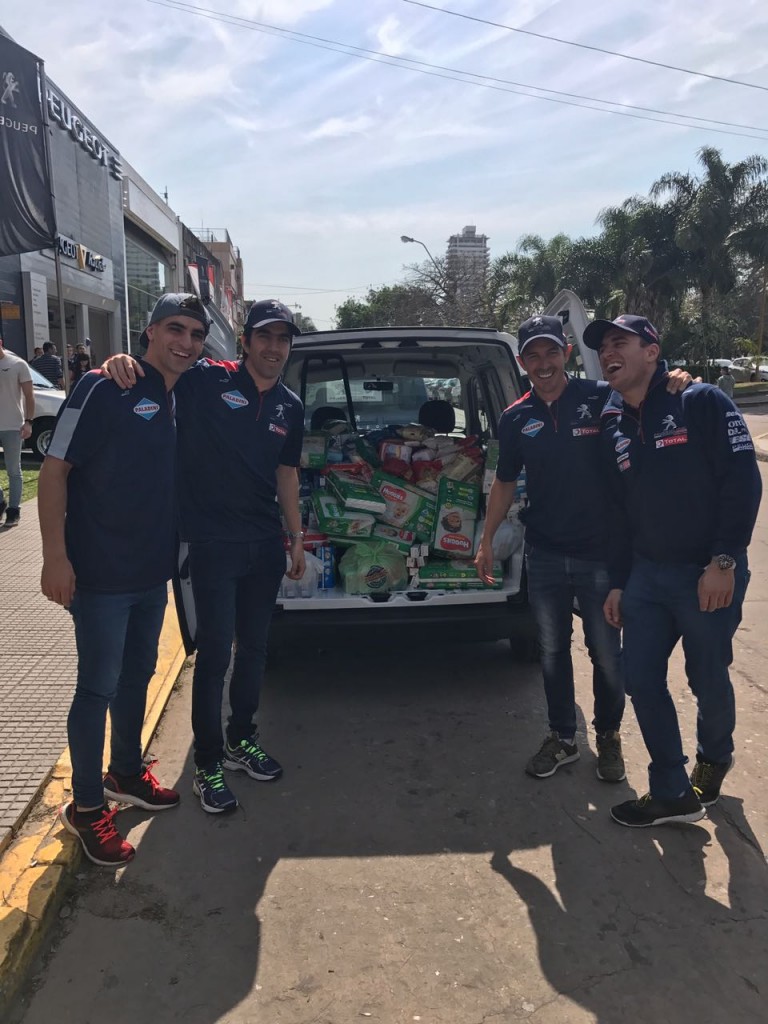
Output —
<point x="250" y="758"/>
<point x="3" y="507"/>
<point x="552" y="755"/>
<point x="12" y="516"/>
<point x="707" y="778"/>
<point x="215" y="795"/>
<point x="98" y="835"/>
<point x="142" y="790"/>
<point x="647" y="811"/>
<point x="610" y="761"/>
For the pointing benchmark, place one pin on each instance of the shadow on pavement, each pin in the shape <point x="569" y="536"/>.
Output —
<point x="409" y="754"/>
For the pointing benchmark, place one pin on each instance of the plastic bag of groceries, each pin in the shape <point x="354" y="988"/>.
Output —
<point x="507" y="539"/>
<point x="373" y="568"/>
<point x="309" y="582"/>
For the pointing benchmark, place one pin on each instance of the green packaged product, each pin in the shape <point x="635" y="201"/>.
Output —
<point x="354" y="493"/>
<point x="457" y="505"/>
<point x="408" y="508"/>
<point x="337" y="521"/>
<point x="373" y="567"/>
<point x="403" y="540"/>
<point x="457" y="574"/>
<point x="314" y="451"/>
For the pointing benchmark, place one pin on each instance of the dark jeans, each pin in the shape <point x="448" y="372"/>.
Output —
<point x="660" y="605"/>
<point x="116" y="636"/>
<point x="554" y="581"/>
<point x="235" y="585"/>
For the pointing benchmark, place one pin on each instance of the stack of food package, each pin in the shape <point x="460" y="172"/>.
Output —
<point x="399" y="507"/>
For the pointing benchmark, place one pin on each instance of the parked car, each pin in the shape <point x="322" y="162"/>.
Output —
<point x="48" y="401"/>
<point x="740" y="373"/>
<point x="347" y="370"/>
<point x="748" y="363"/>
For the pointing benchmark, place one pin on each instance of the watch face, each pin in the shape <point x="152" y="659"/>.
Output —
<point x="726" y="561"/>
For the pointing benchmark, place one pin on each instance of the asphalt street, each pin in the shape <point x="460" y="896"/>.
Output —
<point x="405" y="868"/>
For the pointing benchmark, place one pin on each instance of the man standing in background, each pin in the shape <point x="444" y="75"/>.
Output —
<point x="17" y="410"/>
<point x="49" y="365"/>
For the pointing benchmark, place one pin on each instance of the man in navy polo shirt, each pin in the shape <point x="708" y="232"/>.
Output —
<point x="554" y="432"/>
<point x="685" y="468"/>
<point x="107" y="519"/>
<point x="238" y="449"/>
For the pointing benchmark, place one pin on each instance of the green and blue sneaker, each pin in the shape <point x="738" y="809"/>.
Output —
<point x="215" y="795"/>
<point x="249" y="757"/>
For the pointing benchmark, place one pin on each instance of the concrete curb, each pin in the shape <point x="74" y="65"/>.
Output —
<point x="36" y="867"/>
<point x="761" y="447"/>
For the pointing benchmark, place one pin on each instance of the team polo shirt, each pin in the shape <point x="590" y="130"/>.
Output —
<point x="231" y="439"/>
<point x="120" y="524"/>
<point x="686" y="469"/>
<point x="559" y="446"/>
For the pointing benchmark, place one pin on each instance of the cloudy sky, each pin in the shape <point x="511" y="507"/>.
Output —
<point x="317" y="161"/>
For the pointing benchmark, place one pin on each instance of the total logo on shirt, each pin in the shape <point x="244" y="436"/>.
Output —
<point x="235" y="400"/>
<point x="145" y="408"/>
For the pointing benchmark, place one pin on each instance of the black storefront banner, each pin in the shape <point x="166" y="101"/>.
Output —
<point x="26" y="206"/>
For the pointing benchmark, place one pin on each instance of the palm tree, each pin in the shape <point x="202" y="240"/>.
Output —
<point x="709" y="206"/>
<point x="750" y="239"/>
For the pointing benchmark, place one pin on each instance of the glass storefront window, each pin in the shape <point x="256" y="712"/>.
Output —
<point x="148" y="277"/>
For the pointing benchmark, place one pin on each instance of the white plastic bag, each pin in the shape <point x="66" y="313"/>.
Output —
<point x="309" y="582"/>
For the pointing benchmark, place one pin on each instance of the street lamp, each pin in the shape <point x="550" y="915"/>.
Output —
<point x="407" y="238"/>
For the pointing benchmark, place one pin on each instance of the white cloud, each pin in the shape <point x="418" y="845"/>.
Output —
<point x="339" y="127"/>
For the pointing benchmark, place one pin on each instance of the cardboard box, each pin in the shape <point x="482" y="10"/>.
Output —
<point x="457" y="506"/>
<point x="407" y="507"/>
<point x="354" y="494"/>
<point x="335" y="521"/>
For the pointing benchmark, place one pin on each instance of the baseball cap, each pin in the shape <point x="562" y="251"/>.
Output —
<point x="177" y="304"/>
<point x="269" y="311"/>
<point x="596" y="331"/>
<point x="540" y="327"/>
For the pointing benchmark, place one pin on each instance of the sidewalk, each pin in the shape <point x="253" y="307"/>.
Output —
<point x="38" y="664"/>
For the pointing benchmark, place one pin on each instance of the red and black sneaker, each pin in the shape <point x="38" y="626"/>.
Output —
<point x="98" y="835"/>
<point x="142" y="790"/>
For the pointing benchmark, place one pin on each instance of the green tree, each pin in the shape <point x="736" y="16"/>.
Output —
<point x="391" y="306"/>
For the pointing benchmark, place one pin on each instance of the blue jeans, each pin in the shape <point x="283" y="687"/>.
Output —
<point x="117" y="637"/>
<point x="660" y="605"/>
<point x="235" y="586"/>
<point x="554" y="580"/>
<point x="11" y="443"/>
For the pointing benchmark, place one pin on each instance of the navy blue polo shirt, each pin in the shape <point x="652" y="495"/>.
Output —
<point x="231" y="439"/>
<point x="559" y="445"/>
<point x="120" y="524"/>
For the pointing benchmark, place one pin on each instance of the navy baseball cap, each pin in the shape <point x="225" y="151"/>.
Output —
<point x="177" y="304"/>
<point x="269" y="311"/>
<point x="596" y="331"/>
<point x="540" y="327"/>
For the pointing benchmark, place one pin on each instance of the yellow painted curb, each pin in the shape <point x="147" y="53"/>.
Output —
<point x="43" y="855"/>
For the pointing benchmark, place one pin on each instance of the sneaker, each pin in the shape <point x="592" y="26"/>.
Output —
<point x="610" y="762"/>
<point x="215" y="795"/>
<point x="707" y="778"/>
<point x="552" y="755"/>
<point x="98" y="835"/>
<point x="12" y="516"/>
<point x="3" y="507"/>
<point x="142" y="790"/>
<point x="250" y="758"/>
<point x="648" y="811"/>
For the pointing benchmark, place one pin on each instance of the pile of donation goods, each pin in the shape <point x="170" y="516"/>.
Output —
<point x="397" y="508"/>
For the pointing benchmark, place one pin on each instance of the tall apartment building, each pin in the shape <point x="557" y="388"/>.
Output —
<point x="468" y="258"/>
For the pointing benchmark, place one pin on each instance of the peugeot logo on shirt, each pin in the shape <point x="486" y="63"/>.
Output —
<point x="145" y="408"/>
<point x="235" y="400"/>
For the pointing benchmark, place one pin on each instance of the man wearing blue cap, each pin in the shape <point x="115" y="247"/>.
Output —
<point x="553" y="431"/>
<point x="239" y="436"/>
<point x="684" y="467"/>
<point x="107" y="520"/>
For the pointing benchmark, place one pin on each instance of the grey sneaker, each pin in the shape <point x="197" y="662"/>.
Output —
<point x="707" y="778"/>
<point x="610" y="762"/>
<point x="552" y="755"/>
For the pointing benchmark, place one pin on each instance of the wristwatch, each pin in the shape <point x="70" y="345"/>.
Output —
<point x="725" y="562"/>
<point x="28" y="421"/>
<point x="295" y="536"/>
